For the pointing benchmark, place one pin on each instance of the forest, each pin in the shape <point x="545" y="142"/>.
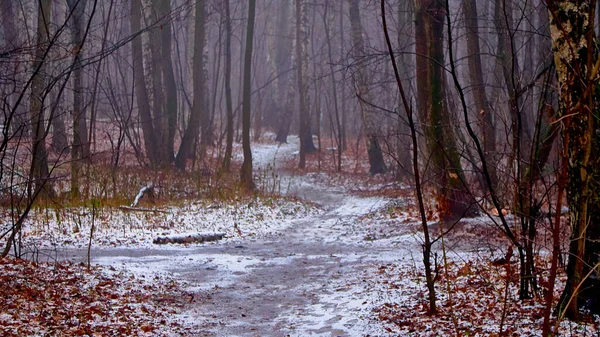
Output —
<point x="299" y="167"/>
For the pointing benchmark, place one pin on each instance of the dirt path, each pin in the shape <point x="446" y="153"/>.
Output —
<point x="309" y="280"/>
<point x="303" y="282"/>
<point x="312" y="279"/>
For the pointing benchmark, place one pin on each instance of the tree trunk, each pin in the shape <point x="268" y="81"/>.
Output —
<point x="327" y="22"/>
<point x="246" y="178"/>
<point x="510" y="69"/>
<point x="576" y="59"/>
<point x="170" y="84"/>
<point x="18" y="118"/>
<point x="304" y="134"/>
<point x="452" y="199"/>
<point x="376" y="161"/>
<point x="59" y="141"/>
<point x="343" y="86"/>
<point x="283" y="61"/>
<point x="39" y="160"/>
<point x="426" y="246"/>
<point x="205" y="119"/>
<point x="482" y="105"/>
<point x="143" y="100"/>
<point x="159" y="115"/>
<point x="405" y="67"/>
<point x="228" y="100"/>
<point x="191" y="132"/>
<point x="80" y="147"/>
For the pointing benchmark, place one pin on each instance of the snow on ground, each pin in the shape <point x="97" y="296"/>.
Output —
<point x="114" y="227"/>
<point x="286" y="267"/>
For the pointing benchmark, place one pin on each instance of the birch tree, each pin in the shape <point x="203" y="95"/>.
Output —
<point x="577" y="63"/>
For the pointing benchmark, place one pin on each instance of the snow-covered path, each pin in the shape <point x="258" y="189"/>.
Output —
<point x="310" y="279"/>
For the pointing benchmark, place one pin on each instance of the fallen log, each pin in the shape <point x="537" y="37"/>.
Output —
<point x="191" y="238"/>
<point x="139" y="209"/>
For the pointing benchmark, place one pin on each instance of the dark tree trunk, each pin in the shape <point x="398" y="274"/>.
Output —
<point x="453" y="201"/>
<point x="143" y="100"/>
<point x="246" y="178"/>
<point x="376" y="161"/>
<point x="39" y="161"/>
<point x="159" y="114"/>
<point x="482" y="105"/>
<point x="327" y="22"/>
<point x="59" y="141"/>
<point x="228" y="100"/>
<point x="191" y="132"/>
<point x="170" y="84"/>
<point x="18" y="118"/>
<point x="405" y="68"/>
<point x="283" y="61"/>
<point x="304" y="134"/>
<point x="80" y="147"/>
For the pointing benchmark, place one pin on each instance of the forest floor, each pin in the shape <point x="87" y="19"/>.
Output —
<point x="339" y="255"/>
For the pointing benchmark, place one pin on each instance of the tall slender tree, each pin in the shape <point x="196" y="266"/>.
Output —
<point x="169" y="80"/>
<point x="12" y="42"/>
<point x="39" y="161"/>
<point x="305" y="134"/>
<point x="376" y="161"/>
<point x="198" y="108"/>
<point x="283" y="61"/>
<point x="80" y="148"/>
<point x="226" y="17"/>
<point x="482" y="104"/>
<point x="246" y="177"/>
<point x="142" y="98"/>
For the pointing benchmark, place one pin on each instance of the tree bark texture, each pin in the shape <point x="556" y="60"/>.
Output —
<point x="39" y="164"/>
<point x="305" y="135"/>
<point x="18" y="119"/>
<point x="169" y="80"/>
<point x="198" y="107"/>
<point x="142" y="98"/>
<point x="80" y="148"/>
<point x="376" y="161"/>
<point x="246" y="178"/>
<point x="228" y="99"/>
<point x="452" y="199"/>
<point x="577" y="62"/>
<point x="283" y="61"/>
<point x="482" y="105"/>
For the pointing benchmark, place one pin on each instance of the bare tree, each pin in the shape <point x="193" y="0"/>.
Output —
<point x="169" y="80"/>
<point x="482" y="105"/>
<point x="376" y="161"/>
<point x="39" y="161"/>
<point x="305" y="134"/>
<point x="283" y="61"/>
<point x="226" y="17"/>
<point x="143" y="100"/>
<point x="20" y="125"/>
<point x="80" y="148"/>
<point x="246" y="177"/>
<point x="191" y="132"/>
<point x="427" y="244"/>
<point x="453" y="201"/>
